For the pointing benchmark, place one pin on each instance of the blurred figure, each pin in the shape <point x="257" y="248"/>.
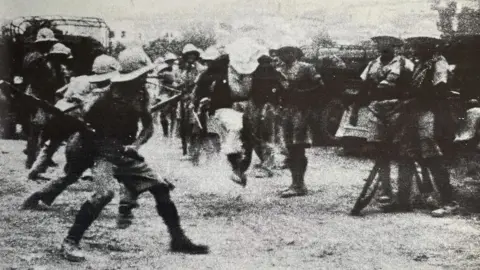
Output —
<point x="428" y="125"/>
<point x="169" y="77"/>
<point x="303" y="84"/>
<point x="58" y="55"/>
<point x="385" y="83"/>
<point x="43" y="77"/>
<point x="189" y="72"/>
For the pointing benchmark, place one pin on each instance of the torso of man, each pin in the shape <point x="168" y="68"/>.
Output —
<point x="115" y="118"/>
<point x="189" y="75"/>
<point x="300" y="75"/>
<point x="431" y="72"/>
<point x="43" y="76"/>
<point x="386" y="73"/>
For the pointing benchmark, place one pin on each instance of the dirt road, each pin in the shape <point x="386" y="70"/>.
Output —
<point x="246" y="228"/>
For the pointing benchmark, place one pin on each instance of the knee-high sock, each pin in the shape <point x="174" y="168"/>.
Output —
<point x="441" y="177"/>
<point x="87" y="214"/>
<point x="167" y="210"/>
<point x="405" y="177"/>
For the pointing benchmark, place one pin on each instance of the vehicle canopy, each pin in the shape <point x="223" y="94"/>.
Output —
<point x="87" y="37"/>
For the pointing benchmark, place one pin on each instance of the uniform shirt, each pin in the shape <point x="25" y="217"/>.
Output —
<point x="386" y="74"/>
<point x="42" y="76"/>
<point x="116" y="119"/>
<point x="189" y="76"/>
<point x="300" y="76"/>
<point x="431" y="72"/>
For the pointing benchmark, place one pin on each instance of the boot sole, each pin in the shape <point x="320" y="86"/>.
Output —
<point x="191" y="252"/>
<point x="72" y="258"/>
<point x="293" y="195"/>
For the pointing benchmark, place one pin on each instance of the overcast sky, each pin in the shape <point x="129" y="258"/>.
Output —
<point x="119" y="8"/>
<point x="374" y="14"/>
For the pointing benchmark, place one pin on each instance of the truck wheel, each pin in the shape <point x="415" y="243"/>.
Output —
<point x="330" y="118"/>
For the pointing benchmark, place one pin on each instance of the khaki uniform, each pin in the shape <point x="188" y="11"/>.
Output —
<point x="384" y="109"/>
<point x="421" y="131"/>
<point x="302" y="80"/>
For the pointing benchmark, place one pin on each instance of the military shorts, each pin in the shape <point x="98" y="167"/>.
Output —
<point x="383" y="122"/>
<point x="108" y="163"/>
<point x="418" y="136"/>
<point x="295" y="126"/>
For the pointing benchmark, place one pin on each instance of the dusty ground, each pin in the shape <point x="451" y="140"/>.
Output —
<point x="247" y="228"/>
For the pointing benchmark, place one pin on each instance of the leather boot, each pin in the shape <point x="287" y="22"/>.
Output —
<point x="85" y="217"/>
<point x="405" y="178"/>
<point x="298" y="188"/>
<point x="386" y="193"/>
<point x="179" y="241"/>
<point x="164" y="124"/>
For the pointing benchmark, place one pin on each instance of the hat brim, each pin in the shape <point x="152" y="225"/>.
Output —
<point x="46" y="40"/>
<point x="66" y="106"/>
<point x="133" y="75"/>
<point x="68" y="56"/>
<point x="161" y="66"/>
<point x="286" y="49"/>
<point x="387" y="41"/>
<point x="197" y="53"/>
<point x="426" y="42"/>
<point x="102" y="77"/>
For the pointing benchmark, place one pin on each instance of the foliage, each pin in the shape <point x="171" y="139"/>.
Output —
<point x="469" y="21"/>
<point x="323" y="40"/>
<point x="201" y="37"/>
<point x="446" y="17"/>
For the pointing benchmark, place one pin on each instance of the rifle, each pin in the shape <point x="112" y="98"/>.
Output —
<point x="77" y="124"/>
<point x="18" y="94"/>
<point x="162" y="104"/>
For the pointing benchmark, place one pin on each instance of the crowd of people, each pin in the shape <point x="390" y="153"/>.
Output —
<point x="114" y="99"/>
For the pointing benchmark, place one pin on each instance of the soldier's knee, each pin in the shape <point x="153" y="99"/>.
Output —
<point x="160" y="192"/>
<point x="102" y="197"/>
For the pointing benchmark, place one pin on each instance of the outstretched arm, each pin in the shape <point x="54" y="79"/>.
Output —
<point x="147" y="124"/>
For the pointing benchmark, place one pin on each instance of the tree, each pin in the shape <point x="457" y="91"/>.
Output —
<point x="446" y="15"/>
<point x="469" y="21"/>
<point x="322" y="40"/>
<point x="201" y="37"/>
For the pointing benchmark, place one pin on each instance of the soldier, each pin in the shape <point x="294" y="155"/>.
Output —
<point x="78" y="98"/>
<point x="303" y="84"/>
<point x="75" y="102"/>
<point x="200" y="131"/>
<point x="169" y="80"/>
<point x="50" y="142"/>
<point x="210" y="54"/>
<point x="188" y="75"/>
<point x="424" y="126"/>
<point x="42" y="81"/>
<point x="261" y="112"/>
<point x="385" y="82"/>
<point x="115" y="118"/>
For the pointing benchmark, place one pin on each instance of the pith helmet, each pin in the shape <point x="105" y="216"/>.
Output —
<point x="45" y="34"/>
<point x="104" y="68"/>
<point x="134" y="62"/>
<point x="190" y="48"/>
<point x="170" y="57"/>
<point x="211" y="53"/>
<point x="61" y="49"/>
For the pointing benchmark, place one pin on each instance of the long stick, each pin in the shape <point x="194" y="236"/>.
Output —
<point x="47" y="107"/>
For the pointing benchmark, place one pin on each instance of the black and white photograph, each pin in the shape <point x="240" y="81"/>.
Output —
<point x="240" y="134"/>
